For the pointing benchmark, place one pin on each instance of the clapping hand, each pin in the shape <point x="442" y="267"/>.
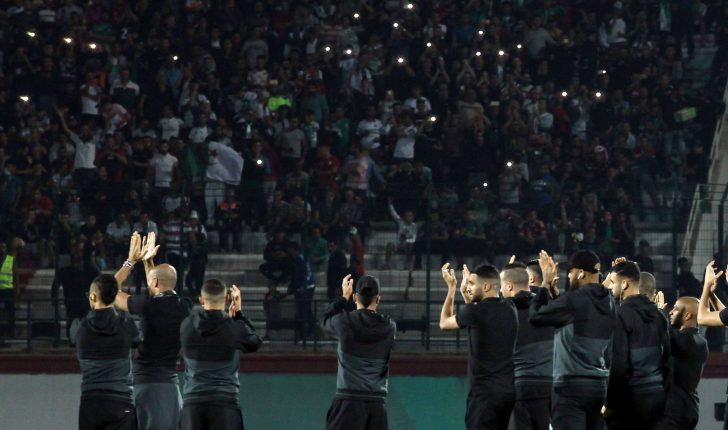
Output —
<point x="135" y="248"/>
<point x="236" y="301"/>
<point x="448" y="275"/>
<point x="711" y="277"/>
<point x="347" y="287"/>
<point x="149" y="246"/>
<point x="659" y="300"/>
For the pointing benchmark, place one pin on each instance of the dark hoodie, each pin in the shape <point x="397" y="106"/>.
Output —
<point x="584" y="319"/>
<point x="366" y="339"/>
<point x="211" y="344"/>
<point x="533" y="357"/>
<point x="640" y="351"/>
<point x="104" y="339"/>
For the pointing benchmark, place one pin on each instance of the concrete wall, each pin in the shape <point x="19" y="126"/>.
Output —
<point x="277" y="401"/>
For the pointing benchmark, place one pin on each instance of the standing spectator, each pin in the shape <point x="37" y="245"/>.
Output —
<point x="176" y="231"/>
<point x="292" y="145"/>
<point x="370" y="129"/>
<point x="125" y="92"/>
<point x="7" y="287"/>
<point x="643" y="258"/>
<point x="163" y="169"/>
<point x="197" y="253"/>
<point x="74" y="280"/>
<point x="335" y="271"/>
<point x="84" y="162"/>
<point x="687" y="284"/>
<point x="117" y="234"/>
<point x="229" y="220"/>
<point x="316" y="249"/>
<point x="406" y="237"/>
<point x="302" y="286"/>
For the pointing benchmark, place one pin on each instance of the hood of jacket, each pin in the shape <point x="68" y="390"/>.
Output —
<point x="105" y="321"/>
<point x="522" y="300"/>
<point x="207" y="322"/>
<point x="642" y="306"/>
<point x="369" y="326"/>
<point x="600" y="297"/>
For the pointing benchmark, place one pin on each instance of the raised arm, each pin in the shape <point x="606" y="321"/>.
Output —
<point x="447" y="315"/>
<point x="64" y="125"/>
<point x="135" y="255"/>
<point x="332" y="316"/>
<point x="247" y="340"/>
<point x="706" y="317"/>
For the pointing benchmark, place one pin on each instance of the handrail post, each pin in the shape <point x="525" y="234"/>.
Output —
<point x="28" y="326"/>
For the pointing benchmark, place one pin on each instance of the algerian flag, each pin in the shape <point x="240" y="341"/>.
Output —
<point x="224" y="164"/>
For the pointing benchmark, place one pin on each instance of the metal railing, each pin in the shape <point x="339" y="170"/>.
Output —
<point x="283" y="324"/>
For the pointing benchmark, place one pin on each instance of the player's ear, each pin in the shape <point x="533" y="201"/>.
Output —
<point x="379" y="299"/>
<point x="201" y="300"/>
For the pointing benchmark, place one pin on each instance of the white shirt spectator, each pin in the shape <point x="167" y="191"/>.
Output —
<point x="411" y="104"/>
<point x="617" y="31"/>
<point x="370" y="132"/>
<point x="89" y="106"/>
<point x="140" y="132"/>
<point x="118" y="232"/>
<point x="198" y="134"/>
<point x="116" y="117"/>
<point x="164" y="165"/>
<point x="150" y="227"/>
<point x="132" y="86"/>
<point x="85" y="152"/>
<point x="170" y="127"/>
<point x="405" y="147"/>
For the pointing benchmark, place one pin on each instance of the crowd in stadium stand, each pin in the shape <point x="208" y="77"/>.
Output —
<point x="544" y="120"/>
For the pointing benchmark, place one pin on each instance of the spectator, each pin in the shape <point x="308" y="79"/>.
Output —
<point x="277" y="266"/>
<point x="335" y="271"/>
<point x="643" y="258"/>
<point x="687" y="284"/>
<point x="406" y="237"/>
<point x="316" y="249"/>
<point x="8" y="279"/>
<point x="302" y="286"/>
<point x="229" y="222"/>
<point x="117" y="235"/>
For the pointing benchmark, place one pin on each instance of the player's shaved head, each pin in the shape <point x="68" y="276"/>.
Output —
<point x="648" y="284"/>
<point x="166" y="275"/>
<point x="690" y="304"/>
<point x="685" y="313"/>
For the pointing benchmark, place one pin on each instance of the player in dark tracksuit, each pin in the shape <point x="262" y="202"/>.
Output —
<point x="104" y="339"/>
<point x="584" y="318"/>
<point x="533" y="357"/>
<point x="211" y="344"/>
<point x="492" y="324"/>
<point x="714" y="318"/>
<point x="366" y="339"/>
<point x="689" y="352"/>
<point x="640" y="372"/>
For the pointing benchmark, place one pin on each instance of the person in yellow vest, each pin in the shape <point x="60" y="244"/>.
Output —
<point x="7" y="287"/>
